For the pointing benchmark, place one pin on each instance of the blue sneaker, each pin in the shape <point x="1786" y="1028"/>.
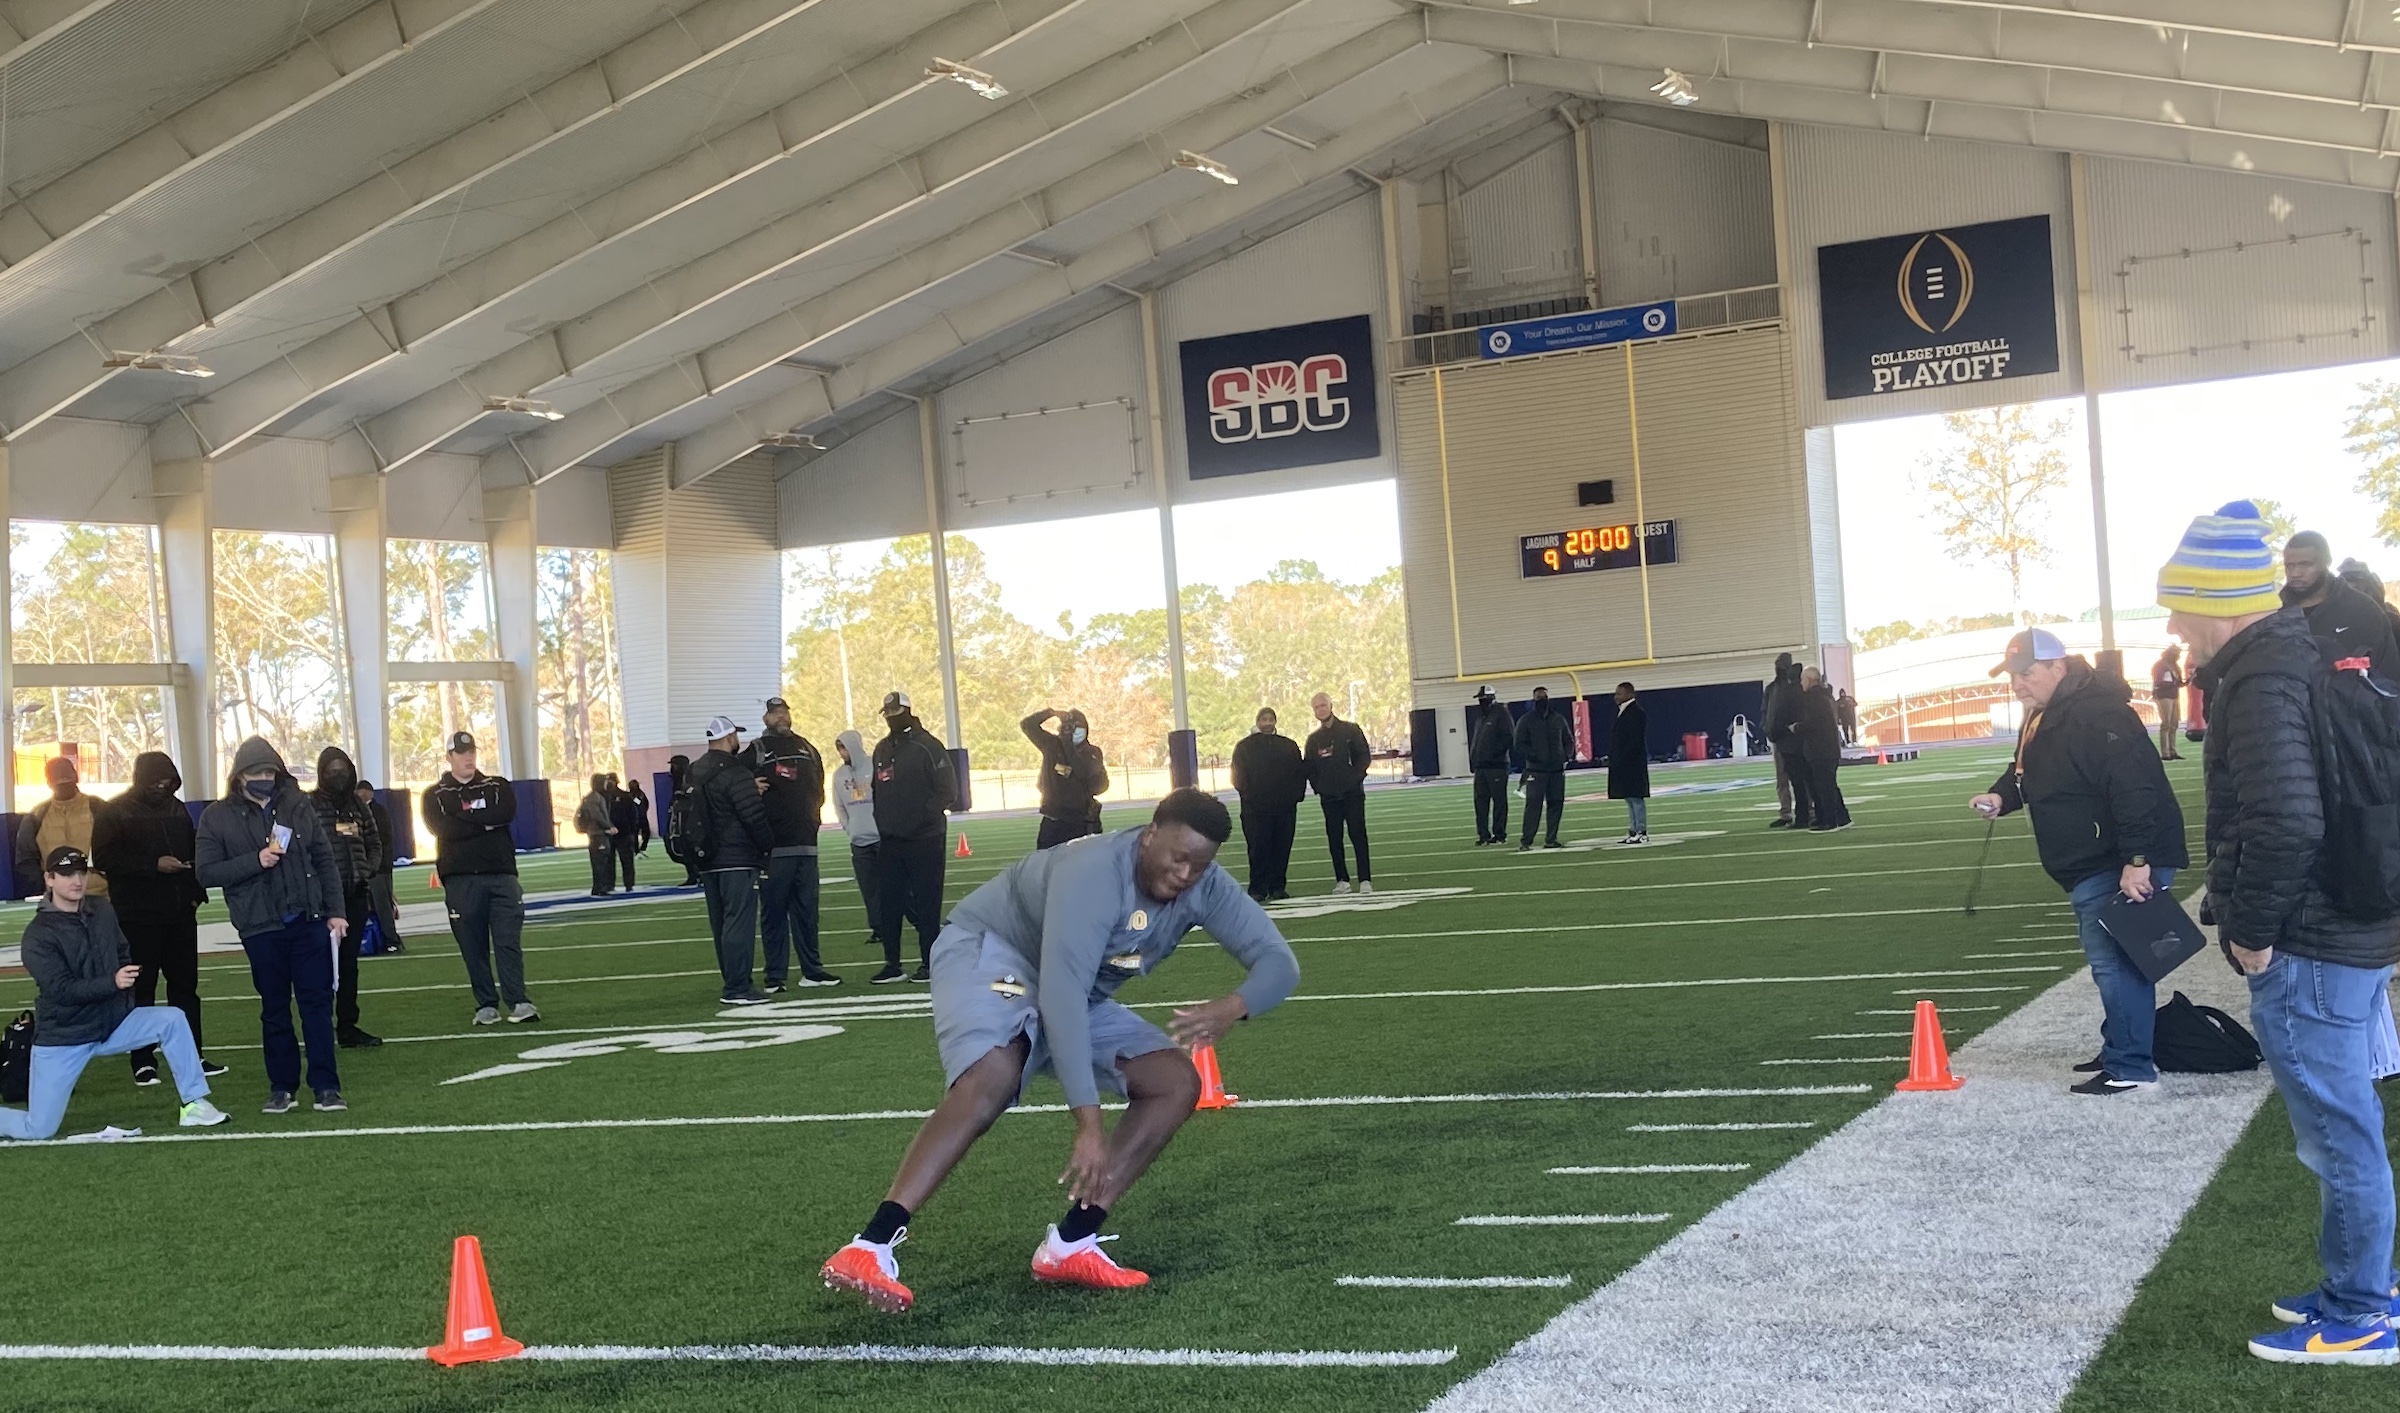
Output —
<point x="2309" y="1308"/>
<point x="2326" y="1342"/>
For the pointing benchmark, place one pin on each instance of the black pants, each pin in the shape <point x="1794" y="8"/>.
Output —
<point x="1491" y="804"/>
<point x="487" y="918"/>
<point x="911" y="884"/>
<point x="1055" y="832"/>
<point x="1825" y="792"/>
<point x="866" y="870"/>
<point x="356" y="904"/>
<point x="1347" y="811"/>
<point x="1267" y="835"/>
<point x="167" y="946"/>
<point x="287" y="964"/>
<point x="732" y="895"/>
<point x="387" y="909"/>
<point x="629" y="847"/>
<point x="1545" y="790"/>
<point x="789" y="903"/>
<point x="1804" y="792"/>
<point x="604" y="863"/>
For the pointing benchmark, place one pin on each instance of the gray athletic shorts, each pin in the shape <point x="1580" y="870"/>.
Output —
<point x="971" y="1020"/>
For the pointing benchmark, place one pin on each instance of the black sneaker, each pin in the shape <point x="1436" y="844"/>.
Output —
<point x="1278" y="896"/>
<point x="278" y="1102"/>
<point x="356" y="1039"/>
<point x="773" y="988"/>
<point x="887" y="976"/>
<point x="211" y="1068"/>
<point x="1784" y="823"/>
<point x="1526" y="847"/>
<point x="145" y="1075"/>
<point x="329" y="1101"/>
<point x="2090" y="1066"/>
<point x="751" y="997"/>
<point x="921" y="976"/>
<point x="822" y="978"/>
<point x="1552" y="844"/>
<point x="2105" y="1083"/>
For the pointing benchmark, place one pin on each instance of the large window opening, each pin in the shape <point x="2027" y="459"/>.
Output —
<point x="279" y="651"/>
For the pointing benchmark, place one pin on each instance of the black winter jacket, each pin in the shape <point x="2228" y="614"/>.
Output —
<point x="1073" y="776"/>
<point x="1338" y="756"/>
<point x="915" y="784"/>
<point x="349" y="826"/>
<point x="739" y="833"/>
<point x="795" y="798"/>
<point x="1782" y="712"/>
<point x="1495" y="736"/>
<point x="305" y="882"/>
<point x="1268" y="772"/>
<point x="2095" y="787"/>
<point x="1545" y="739"/>
<point x="2352" y="625"/>
<point x="1819" y="732"/>
<point x="74" y="959"/>
<point x="2266" y="817"/>
<point x="135" y="831"/>
<point x="1629" y="754"/>
<point x="469" y="821"/>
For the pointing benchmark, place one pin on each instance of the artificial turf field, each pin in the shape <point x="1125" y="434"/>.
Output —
<point x="1531" y="1012"/>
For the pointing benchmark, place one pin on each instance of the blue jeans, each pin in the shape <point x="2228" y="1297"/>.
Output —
<point x="57" y="1067"/>
<point x="2128" y="1002"/>
<point x="2315" y="1022"/>
<point x="1637" y="816"/>
<point x="295" y="963"/>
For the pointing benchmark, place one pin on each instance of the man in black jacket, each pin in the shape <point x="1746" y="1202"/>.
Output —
<point x="679" y="786"/>
<point x="599" y="831"/>
<point x="144" y="838"/>
<point x="1271" y="778"/>
<point x="916" y="787"/>
<point x="350" y="826"/>
<point x="1073" y="776"/>
<point x="379" y="884"/>
<point x="1629" y="764"/>
<point x="2347" y="621"/>
<point x="1494" y="735"/>
<point x="629" y="811"/>
<point x="261" y="846"/>
<point x="468" y="813"/>
<point x="735" y="838"/>
<point x="1775" y="709"/>
<point x="1818" y="737"/>
<point x="83" y="975"/>
<point x="2105" y="823"/>
<point x="793" y="774"/>
<point x="1337" y="757"/>
<point x="1545" y="743"/>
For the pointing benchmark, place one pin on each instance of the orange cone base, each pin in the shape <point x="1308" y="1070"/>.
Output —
<point x="1930" y="1086"/>
<point x="497" y="1347"/>
<point x="472" y="1330"/>
<point x="1212" y="1081"/>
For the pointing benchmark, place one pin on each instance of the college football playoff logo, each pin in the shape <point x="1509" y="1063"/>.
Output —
<point x="1278" y="399"/>
<point x="1936" y="283"/>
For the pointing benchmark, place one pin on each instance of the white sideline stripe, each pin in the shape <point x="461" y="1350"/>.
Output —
<point x="1958" y="990"/>
<point x="1648" y="1169"/>
<point x="766" y="1354"/>
<point x="1845" y="1060"/>
<point x="1865" y="1035"/>
<point x="1460" y="1283"/>
<point x="756" y="1120"/>
<point x="1946" y="1010"/>
<point x="1585" y="1219"/>
<point x="1650" y="986"/>
<point x="1717" y="1128"/>
<point x="2010" y="956"/>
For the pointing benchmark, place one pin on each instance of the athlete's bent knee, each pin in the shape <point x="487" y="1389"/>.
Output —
<point x="1164" y="1077"/>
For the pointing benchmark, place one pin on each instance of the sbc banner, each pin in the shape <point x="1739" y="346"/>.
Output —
<point x="1969" y="304"/>
<point x="1301" y="395"/>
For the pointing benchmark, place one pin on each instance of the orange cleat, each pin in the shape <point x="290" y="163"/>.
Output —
<point x="871" y="1272"/>
<point x="1082" y="1263"/>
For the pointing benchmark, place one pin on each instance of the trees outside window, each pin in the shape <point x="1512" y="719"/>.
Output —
<point x="84" y="593"/>
<point x="279" y="651"/>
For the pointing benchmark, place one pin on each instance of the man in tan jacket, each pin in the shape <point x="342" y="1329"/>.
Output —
<point x="64" y="820"/>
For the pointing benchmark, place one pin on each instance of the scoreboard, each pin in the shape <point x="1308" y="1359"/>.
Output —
<point x="1601" y="547"/>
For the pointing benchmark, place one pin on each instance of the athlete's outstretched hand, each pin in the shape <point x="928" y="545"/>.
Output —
<point x="1087" y="1165"/>
<point x="1195" y="1026"/>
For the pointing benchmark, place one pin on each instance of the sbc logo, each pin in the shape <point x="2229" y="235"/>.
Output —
<point x="1278" y="399"/>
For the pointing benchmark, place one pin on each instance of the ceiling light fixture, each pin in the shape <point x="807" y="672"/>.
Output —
<point x="981" y="84"/>
<point x="793" y="441"/>
<point x="156" y="362"/>
<point x="1676" y="89"/>
<point x="1206" y="166"/>
<point x="530" y="406"/>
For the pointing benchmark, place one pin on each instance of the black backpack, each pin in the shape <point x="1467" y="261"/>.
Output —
<point x="2356" y="721"/>
<point x="2195" y="1039"/>
<point x="16" y="1059"/>
<point x="688" y="832"/>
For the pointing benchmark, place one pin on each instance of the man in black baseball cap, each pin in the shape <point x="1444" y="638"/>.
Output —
<point x="916" y="787"/>
<point x="468" y="813"/>
<point x="791" y="780"/>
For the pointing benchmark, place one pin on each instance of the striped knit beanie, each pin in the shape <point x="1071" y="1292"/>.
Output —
<point x="2222" y="568"/>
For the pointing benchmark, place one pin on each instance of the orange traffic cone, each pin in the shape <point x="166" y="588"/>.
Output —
<point x="963" y="851"/>
<point x="474" y="1332"/>
<point x="1928" y="1056"/>
<point x="1212" y="1081"/>
<point x="433" y="880"/>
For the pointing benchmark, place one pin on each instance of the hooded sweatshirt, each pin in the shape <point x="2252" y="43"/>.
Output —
<point x="1073" y="774"/>
<point x="592" y="817"/>
<point x="349" y="825"/>
<point x="915" y="784"/>
<point x="137" y="829"/>
<point x="853" y="789"/>
<point x="305" y="883"/>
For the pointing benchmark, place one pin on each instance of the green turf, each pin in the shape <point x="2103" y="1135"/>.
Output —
<point x="712" y="1234"/>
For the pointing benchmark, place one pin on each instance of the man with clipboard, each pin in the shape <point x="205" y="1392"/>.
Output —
<point x="2105" y="823"/>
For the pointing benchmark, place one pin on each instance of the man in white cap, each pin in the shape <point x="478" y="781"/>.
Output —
<point x="735" y="838"/>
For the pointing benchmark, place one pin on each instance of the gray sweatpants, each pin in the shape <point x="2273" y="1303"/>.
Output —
<point x="487" y="916"/>
<point x="732" y="895"/>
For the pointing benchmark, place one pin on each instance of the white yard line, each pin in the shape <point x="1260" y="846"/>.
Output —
<point x="1456" y="1283"/>
<point x="1846" y="1060"/>
<point x="1580" y="1219"/>
<point x="1647" y="1169"/>
<point x="764" y="1354"/>
<point x="1717" y="1128"/>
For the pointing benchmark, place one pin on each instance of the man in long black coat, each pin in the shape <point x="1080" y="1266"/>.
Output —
<point x="1271" y="778"/>
<point x="1629" y="764"/>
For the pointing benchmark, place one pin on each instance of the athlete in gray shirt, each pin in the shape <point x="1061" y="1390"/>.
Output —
<point x="1024" y="980"/>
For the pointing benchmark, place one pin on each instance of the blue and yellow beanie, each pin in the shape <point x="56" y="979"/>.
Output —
<point x="2223" y="567"/>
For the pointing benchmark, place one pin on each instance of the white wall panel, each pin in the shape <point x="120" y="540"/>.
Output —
<point x="1679" y="214"/>
<point x="274" y="484"/>
<point x="437" y="496"/>
<point x="637" y="578"/>
<point x="699" y="587"/>
<point x="1825" y="535"/>
<point x="570" y="510"/>
<point x="68" y="469"/>
<point x="1519" y="229"/>
<point x="1065" y="462"/>
<point x="871" y="487"/>
<point x="1844" y="184"/>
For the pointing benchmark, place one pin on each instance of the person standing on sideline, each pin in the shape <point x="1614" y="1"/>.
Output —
<point x="1782" y="720"/>
<point x="1337" y="756"/>
<point x="2341" y="617"/>
<point x="261" y="846"/>
<point x="379" y="886"/>
<point x="733" y="838"/>
<point x="679" y="796"/>
<point x="2316" y="977"/>
<point x="83" y="977"/>
<point x="792" y="779"/>
<point x="2166" y="698"/>
<point x="853" y="790"/>
<point x="599" y="837"/>
<point x="1494" y="735"/>
<point x="1629" y="764"/>
<point x="68" y="817"/>
<point x="916" y="787"/>
<point x="1845" y="710"/>
<point x="629" y="811"/>
<point x="2105" y="823"/>
<point x="1271" y="779"/>
<point x="1819" y="735"/>
<point x="145" y="838"/>
<point x="1545" y="743"/>
<point x="2358" y="576"/>
<point x="468" y="813"/>
<point x="350" y="827"/>
<point x="1073" y="776"/>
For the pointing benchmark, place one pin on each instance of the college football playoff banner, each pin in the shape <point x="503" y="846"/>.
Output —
<point x="1965" y="304"/>
<point x="1301" y="395"/>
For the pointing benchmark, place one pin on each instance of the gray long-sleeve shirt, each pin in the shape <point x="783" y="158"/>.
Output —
<point x="1076" y="910"/>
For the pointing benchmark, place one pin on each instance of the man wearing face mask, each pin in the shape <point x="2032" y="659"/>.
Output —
<point x="66" y="820"/>
<point x="853" y="790"/>
<point x="1487" y="756"/>
<point x="1271" y="777"/>
<point x="357" y="851"/>
<point x="792" y="775"/>
<point x="916" y="787"/>
<point x="1073" y="776"/>
<point x="146" y="841"/>
<point x="1545" y="743"/>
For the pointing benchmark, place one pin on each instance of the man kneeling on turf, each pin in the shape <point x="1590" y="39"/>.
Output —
<point x="1023" y="976"/>
<point x="83" y="975"/>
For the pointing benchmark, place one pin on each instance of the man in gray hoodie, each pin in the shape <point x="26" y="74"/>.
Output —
<point x="262" y="846"/>
<point x="852" y="786"/>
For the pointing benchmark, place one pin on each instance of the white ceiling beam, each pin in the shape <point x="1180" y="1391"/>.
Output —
<point x="591" y="428"/>
<point x="229" y="287"/>
<point x="740" y="432"/>
<point x="779" y="142"/>
<point x="31" y="24"/>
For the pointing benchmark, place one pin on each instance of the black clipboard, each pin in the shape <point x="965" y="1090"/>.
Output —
<point x="2157" y="934"/>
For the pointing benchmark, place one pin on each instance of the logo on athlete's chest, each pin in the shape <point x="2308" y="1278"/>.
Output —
<point x="1140" y="921"/>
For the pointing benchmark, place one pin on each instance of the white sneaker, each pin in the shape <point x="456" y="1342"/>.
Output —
<point x="202" y="1114"/>
<point x="1364" y="887"/>
<point x="522" y="1013"/>
<point x="1341" y="888"/>
<point x="487" y="1015"/>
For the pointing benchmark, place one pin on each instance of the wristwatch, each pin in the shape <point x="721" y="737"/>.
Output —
<point x="2138" y="861"/>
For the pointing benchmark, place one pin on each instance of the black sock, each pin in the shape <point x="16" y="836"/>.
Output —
<point x="890" y="1219"/>
<point x="1080" y="1222"/>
